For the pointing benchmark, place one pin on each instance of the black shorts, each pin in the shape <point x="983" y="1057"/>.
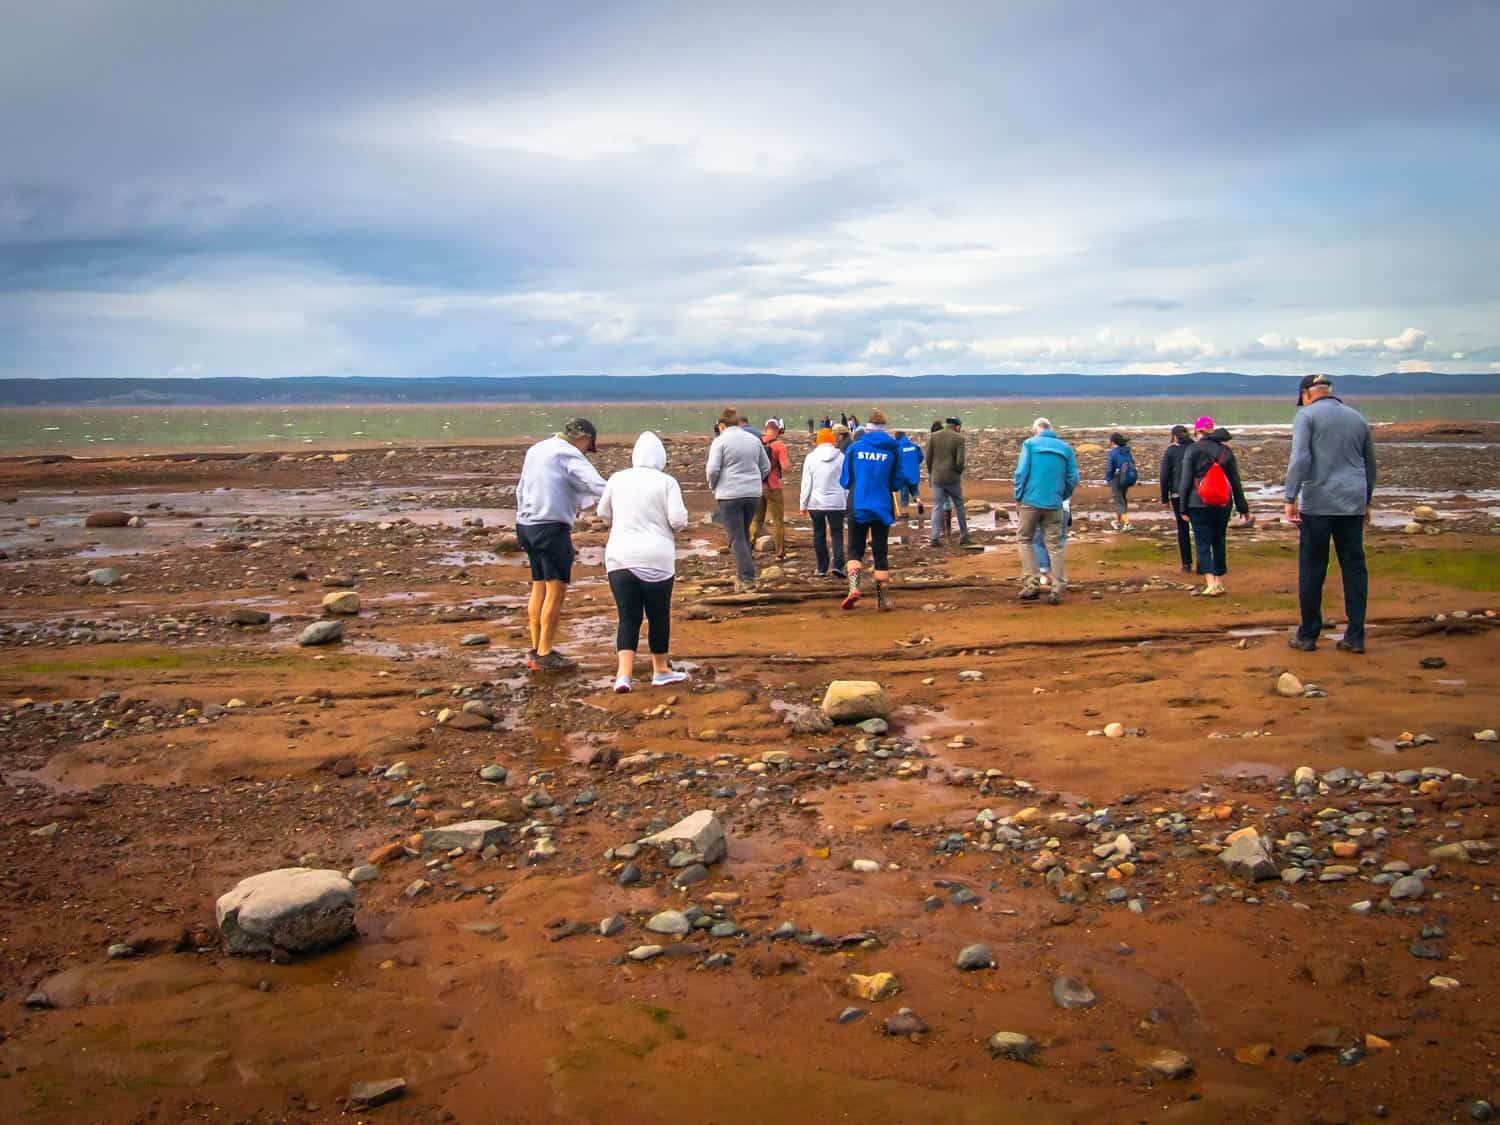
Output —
<point x="879" y="535"/>
<point x="549" y="549"/>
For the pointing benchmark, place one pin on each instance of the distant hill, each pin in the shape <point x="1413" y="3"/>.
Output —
<point x="831" y="389"/>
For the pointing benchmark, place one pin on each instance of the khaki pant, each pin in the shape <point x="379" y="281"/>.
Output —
<point x="1050" y="520"/>
<point x="773" y="505"/>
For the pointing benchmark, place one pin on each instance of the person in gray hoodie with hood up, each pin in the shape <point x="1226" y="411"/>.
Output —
<point x="737" y="468"/>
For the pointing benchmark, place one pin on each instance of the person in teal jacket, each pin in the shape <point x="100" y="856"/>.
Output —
<point x="1046" y="475"/>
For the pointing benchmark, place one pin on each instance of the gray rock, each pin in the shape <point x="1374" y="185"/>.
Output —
<point x="471" y="835"/>
<point x="474" y="640"/>
<point x="612" y="925"/>
<point x="364" y="873"/>
<point x="1249" y="857"/>
<point x="849" y="1015"/>
<point x="249" y="617"/>
<point x="493" y="773"/>
<point x="693" y="873"/>
<point x="644" y="952"/>
<point x="1070" y="992"/>
<point x="809" y="720"/>
<point x="905" y="1023"/>
<point x="368" y="1095"/>
<point x="321" y="633"/>
<point x="1014" y="1046"/>
<point x="119" y="951"/>
<point x="700" y="835"/>
<point x="972" y="957"/>
<point x="104" y="576"/>
<point x="669" y="922"/>
<point x="873" y="727"/>
<point x="1408" y="886"/>
<point x="288" y="911"/>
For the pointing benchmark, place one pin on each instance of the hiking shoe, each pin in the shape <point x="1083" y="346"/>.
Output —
<point x="663" y="679"/>
<point x="852" y="598"/>
<point x="882" y="603"/>
<point x="1029" y="593"/>
<point x="622" y="685"/>
<point x="837" y="573"/>
<point x="555" y="662"/>
<point x="966" y="542"/>
<point x="1054" y="596"/>
<point x="1301" y="645"/>
<point x="1356" y="647"/>
<point x="820" y="574"/>
<point x="531" y="664"/>
<point x="1127" y="527"/>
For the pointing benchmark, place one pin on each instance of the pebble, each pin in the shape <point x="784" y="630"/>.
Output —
<point x="850" y="1014"/>
<point x="1172" y="1065"/>
<point x="1069" y="992"/>
<point x="495" y="774"/>
<point x="905" y="1024"/>
<point x="644" y="952"/>
<point x="1408" y="886"/>
<point x="367" y="1095"/>
<point x="612" y="925"/>
<point x="669" y="922"/>
<point x="972" y="957"/>
<point x="1014" y="1046"/>
<point x="1289" y="686"/>
<point x="865" y="866"/>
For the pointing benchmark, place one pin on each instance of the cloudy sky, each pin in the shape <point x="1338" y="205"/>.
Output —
<point x="490" y="187"/>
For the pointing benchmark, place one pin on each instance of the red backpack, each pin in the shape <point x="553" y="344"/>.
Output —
<point x="1214" y="489"/>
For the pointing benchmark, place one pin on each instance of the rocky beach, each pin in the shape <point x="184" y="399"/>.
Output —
<point x="291" y="835"/>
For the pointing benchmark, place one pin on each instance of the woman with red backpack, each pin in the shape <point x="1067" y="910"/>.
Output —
<point x="1208" y="483"/>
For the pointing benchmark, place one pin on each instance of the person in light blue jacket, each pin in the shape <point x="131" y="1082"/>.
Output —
<point x="1046" y="475"/>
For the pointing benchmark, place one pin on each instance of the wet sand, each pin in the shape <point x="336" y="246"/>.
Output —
<point x="134" y="796"/>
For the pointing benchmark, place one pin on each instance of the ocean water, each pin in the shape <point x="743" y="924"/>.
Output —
<point x="163" y="429"/>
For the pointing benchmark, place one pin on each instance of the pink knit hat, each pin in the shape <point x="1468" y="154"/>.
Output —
<point x="1205" y="424"/>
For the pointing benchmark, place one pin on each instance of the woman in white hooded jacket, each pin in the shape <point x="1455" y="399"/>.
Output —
<point x="644" y="509"/>
<point x="824" y="500"/>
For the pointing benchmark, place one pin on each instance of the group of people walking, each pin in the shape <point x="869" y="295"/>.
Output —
<point x="856" y="483"/>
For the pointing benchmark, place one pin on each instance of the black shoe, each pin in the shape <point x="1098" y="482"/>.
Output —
<point x="555" y="662"/>
<point x="1303" y="646"/>
<point x="820" y="574"/>
<point x="966" y="542"/>
<point x="1351" y="646"/>
<point x="837" y="573"/>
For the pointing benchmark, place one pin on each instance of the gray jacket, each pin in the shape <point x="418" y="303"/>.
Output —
<point x="556" y="481"/>
<point x="737" y="464"/>
<point x="1333" y="460"/>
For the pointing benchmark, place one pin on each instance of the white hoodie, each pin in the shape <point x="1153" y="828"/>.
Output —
<point x="820" y="480"/>
<point x="644" y="508"/>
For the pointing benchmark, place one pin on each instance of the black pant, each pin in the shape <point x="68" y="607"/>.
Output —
<point x="1184" y="534"/>
<point x="826" y="524"/>
<point x="1348" y="536"/>
<point x="1211" y="531"/>
<point x="633" y="599"/>
<point x="879" y="534"/>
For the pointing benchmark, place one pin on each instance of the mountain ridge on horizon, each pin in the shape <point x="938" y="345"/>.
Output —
<point x="310" y="390"/>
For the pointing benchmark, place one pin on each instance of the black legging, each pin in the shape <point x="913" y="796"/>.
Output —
<point x="1184" y="534"/>
<point x="879" y="534"/>
<point x="825" y="525"/>
<point x="634" y="599"/>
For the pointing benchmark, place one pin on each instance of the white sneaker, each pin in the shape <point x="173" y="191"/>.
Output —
<point x="1046" y="580"/>
<point x="622" y="685"/>
<point x="663" y="679"/>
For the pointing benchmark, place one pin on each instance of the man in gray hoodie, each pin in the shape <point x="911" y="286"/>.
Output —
<point x="557" y="480"/>
<point x="1329" y="484"/>
<point x="737" y="468"/>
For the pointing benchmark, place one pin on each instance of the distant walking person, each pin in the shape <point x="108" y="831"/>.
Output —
<point x="1171" y="467"/>
<point x="1046" y="475"/>
<point x="1121" y="474"/>
<point x="1207" y="483"/>
<point x="737" y="468"/>
<point x="772" y="505"/>
<point x="911" y="466"/>
<point x="872" y="473"/>
<point x="1329" y="485"/>
<point x="945" y="470"/>
<point x="557" y="481"/>
<point x="823" y="498"/>
<point x="644" y="509"/>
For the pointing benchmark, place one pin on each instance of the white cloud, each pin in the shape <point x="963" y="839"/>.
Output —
<point x="1413" y="366"/>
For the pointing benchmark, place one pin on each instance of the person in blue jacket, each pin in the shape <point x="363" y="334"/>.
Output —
<point x="911" y="463"/>
<point x="1046" y="475"/>
<point x="873" y="470"/>
<point x="1121" y="475"/>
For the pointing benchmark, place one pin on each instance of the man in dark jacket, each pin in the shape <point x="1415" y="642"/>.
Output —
<point x="1171" y="466"/>
<point x="945" y="472"/>
<point x="1210" y="521"/>
<point x="1332" y="473"/>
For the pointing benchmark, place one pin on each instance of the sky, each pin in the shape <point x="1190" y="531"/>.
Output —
<point x="480" y="187"/>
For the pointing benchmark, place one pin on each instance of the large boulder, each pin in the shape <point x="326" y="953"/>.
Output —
<point x="852" y="701"/>
<point x="321" y="633"/>
<point x="1250" y="858"/>
<point x="107" y="519"/>
<point x="698" y="838"/>
<point x="341" y="602"/>
<point x="285" y="912"/>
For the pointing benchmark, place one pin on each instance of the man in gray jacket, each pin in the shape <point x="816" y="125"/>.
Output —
<point x="1329" y="484"/>
<point x="737" y="468"/>
<point x="557" y="480"/>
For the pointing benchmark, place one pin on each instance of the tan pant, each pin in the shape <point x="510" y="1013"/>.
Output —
<point x="1051" y="522"/>
<point x="772" y="504"/>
